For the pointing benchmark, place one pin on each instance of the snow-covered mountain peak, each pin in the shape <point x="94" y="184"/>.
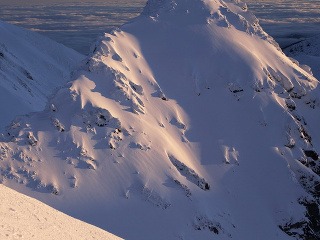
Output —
<point x="192" y="9"/>
<point x="190" y="12"/>
<point x="157" y="7"/>
<point x="204" y="124"/>
<point x="229" y="33"/>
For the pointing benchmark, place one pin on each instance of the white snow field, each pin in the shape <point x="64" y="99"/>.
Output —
<point x="22" y="217"/>
<point x="189" y="122"/>
<point x="31" y="67"/>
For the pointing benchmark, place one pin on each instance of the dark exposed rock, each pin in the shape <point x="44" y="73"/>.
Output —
<point x="308" y="229"/>
<point x="313" y="214"/>
<point x="32" y="139"/>
<point x="58" y="125"/>
<point x="184" y="187"/>
<point x="204" y="223"/>
<point x="304" y="134"/>
<point x="164" y="99"/>
<point x="28" y="75"/>
<point x="290" y="105"/>
<point x="190" y="174"/>
<point x="311" y="154"/>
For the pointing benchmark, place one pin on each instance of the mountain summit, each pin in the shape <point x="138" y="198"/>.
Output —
<point x="187" y="123"/>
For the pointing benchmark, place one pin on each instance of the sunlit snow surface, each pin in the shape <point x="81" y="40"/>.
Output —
<point x="188" y="123"/>
<point x="78" y="24"/>
<point x="27" y="218"/>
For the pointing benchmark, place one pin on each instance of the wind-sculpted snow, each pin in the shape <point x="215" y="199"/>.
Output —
<point x="185" y="124"/>
<point x="31" y="68"/>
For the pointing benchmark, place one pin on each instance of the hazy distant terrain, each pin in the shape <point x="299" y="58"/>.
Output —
<point x="77" y="24"/>
<point x="288" y="20"/>
<point x="74" y="24"/>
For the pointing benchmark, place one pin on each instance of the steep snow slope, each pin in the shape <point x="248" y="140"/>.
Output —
<point x="307" y="52"/>
<point x="31" y="67"/>
<point x="187" y="123"/>
<point x="27" y="218"/>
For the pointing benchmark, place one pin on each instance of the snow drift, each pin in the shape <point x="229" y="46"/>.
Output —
<point x="31" y="67"/>
<point x="187" y="123"/>
<point x="28" y="218"/>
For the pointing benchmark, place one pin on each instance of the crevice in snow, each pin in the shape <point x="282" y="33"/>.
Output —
<point x="189" y="174"/>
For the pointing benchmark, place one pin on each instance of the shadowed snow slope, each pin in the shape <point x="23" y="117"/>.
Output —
<point x="307" y="52"/>
<point x="31" y="67"/>
<point x="22" y="217"/>
<point x="187" y="123"/>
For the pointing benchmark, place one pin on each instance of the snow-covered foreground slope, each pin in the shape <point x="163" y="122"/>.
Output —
<point x="187" y="123"/>
<point x="22" y="217"/>
<point x="307" y="52"/>
<point x="31" y="67"/>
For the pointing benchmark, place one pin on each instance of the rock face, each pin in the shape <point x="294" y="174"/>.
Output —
<point x="187" y="123"/>
<point x="31" y="67"/>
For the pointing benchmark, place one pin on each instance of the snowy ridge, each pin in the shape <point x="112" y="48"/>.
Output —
<point x="27" y="218"/>
<point x="223" y="13"/>
<point x="189" y="124"/>
<point x="31" y="67"/>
